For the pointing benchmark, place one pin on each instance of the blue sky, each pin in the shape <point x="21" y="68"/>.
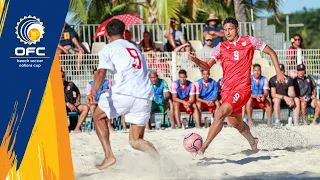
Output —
<point x="290" y="6"/>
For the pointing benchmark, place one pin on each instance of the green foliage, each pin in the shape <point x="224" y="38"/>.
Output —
<point x="309" y="32"/>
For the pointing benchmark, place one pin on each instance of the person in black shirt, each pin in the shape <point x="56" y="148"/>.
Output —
<point x="284" y="95"/>
<point x="72" y="103"/>
<point x="305" y="88"/>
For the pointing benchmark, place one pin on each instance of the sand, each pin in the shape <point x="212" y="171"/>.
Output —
<point x="285" y="153"/>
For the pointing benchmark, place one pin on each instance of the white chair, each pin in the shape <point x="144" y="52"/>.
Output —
<point x="96" y="47"/>
<point x="159" y="45"/>
<point x="196" y="45"/>
<point x="86" y="45"/>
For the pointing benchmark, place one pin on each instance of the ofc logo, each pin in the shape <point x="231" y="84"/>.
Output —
<point x="29" y="30"/>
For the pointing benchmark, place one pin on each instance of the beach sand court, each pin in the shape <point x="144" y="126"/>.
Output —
<point x="285" y="153"/>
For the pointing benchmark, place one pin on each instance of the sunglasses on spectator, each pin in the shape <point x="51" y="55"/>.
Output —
<point x="297" y="39"/>
<point x="209" y="40"/>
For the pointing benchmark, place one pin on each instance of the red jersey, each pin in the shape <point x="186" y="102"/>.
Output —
<point x="236" y="61"/>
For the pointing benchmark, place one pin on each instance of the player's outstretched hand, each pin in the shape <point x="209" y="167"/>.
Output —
<point x="192" y="56"/>
<point x="281" y="77"/>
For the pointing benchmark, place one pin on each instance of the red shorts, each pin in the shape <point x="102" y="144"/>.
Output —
<point x="182" y="108"/>
<point x="257" y="104"/>
<point x="204" y="106"/>
<point x="237" y="99"/>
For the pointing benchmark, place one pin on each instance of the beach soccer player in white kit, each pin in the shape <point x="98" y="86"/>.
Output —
<point x="131" y="94"/>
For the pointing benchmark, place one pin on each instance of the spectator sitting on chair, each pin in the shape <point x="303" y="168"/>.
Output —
<point x="69" y="43"/>
<point x="147" y="43"/>
<point x="73" y="104"/>
<point x="127" y="36"/>
<point x="162" y="99"/>
<point x="207" y="93"/>
<point x="284" y="95"/>
<point x="173" y="37"/>
<point x="259" y="95"/>
<point x="207" y="48"/>
<point x="212" y="29"/>
<point x="184" y="98"/>
<point x="306" y="90"/>
<point x="104" y="89"/>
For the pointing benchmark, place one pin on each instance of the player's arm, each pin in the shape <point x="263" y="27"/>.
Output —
<point x="291" y="92"/>
<point x="78" y="95"/>
<point x="216" y="34"/>
<point x="261" y="46"/>
<point x="192" y="94"/>
<point x="192" y="99"/>
<point x="205" y="65"/>
<point x="266" y="88"/>
<point x="174" y="93"/>
<point x="98" y="81"/>
<point x="166" y="91"/>
<point x="280" y="76"/>
<point x="215" y="92"/>
<point x="198" y="98"/>
<point x="314" y="92"/>
<point x="176" y="99"/>
<point x="178" y="49"/>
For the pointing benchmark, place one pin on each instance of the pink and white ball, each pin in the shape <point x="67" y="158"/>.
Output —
<point x="192" y="142"/>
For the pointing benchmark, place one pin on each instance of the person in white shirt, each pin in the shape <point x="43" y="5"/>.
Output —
<point x="130" y="95"/>
<point x="207" y="49"/>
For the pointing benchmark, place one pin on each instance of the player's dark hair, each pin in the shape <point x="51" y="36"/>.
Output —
<point x="256" y="65"/>
<point x="202" y="70"/>
<point x="231" y="20"/>
<point x="182" y="71"/>
<point x="115" y="27"/>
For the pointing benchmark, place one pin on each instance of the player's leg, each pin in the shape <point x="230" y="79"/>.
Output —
<point x="110" y="126"/>
<point x="176" y="109"/>
<point x="199" y="106"/>
<point x="249" y="110"/>
<point x="124" y="124"/>
<point x="83" y="110"/>
<point x="243" y="128"/>
<point x="303" y="108"/>
<point x="137" y="142"/>
<point x="137" y="116"/>
<point x="103" y="133"/>
<point x="315" y="103"/>
<point x="217" y="103"/>
<point x="196" y="115"/>
<point x="224" y="111"/>
<point x="276" y="107"/>
<point x="169" y="107"/>
<point x="268" y="108"/>
<point x="296" y="111"/>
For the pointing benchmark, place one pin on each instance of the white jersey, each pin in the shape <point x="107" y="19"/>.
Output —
<point x="129" y="68"/>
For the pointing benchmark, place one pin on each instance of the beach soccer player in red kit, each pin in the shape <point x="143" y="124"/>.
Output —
<point x="235" y="56"/>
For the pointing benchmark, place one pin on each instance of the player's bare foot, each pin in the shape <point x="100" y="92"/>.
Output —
<point x="106" y="163"/>
<point x="76" y="131"/>
<point x="315" y="123"/>
<point x="202" y="150"/>
<point x="254" y="145"/>
<point x="112" y="129"/>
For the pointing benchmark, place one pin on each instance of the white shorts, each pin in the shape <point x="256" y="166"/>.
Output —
<point x="137" y="111"/>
